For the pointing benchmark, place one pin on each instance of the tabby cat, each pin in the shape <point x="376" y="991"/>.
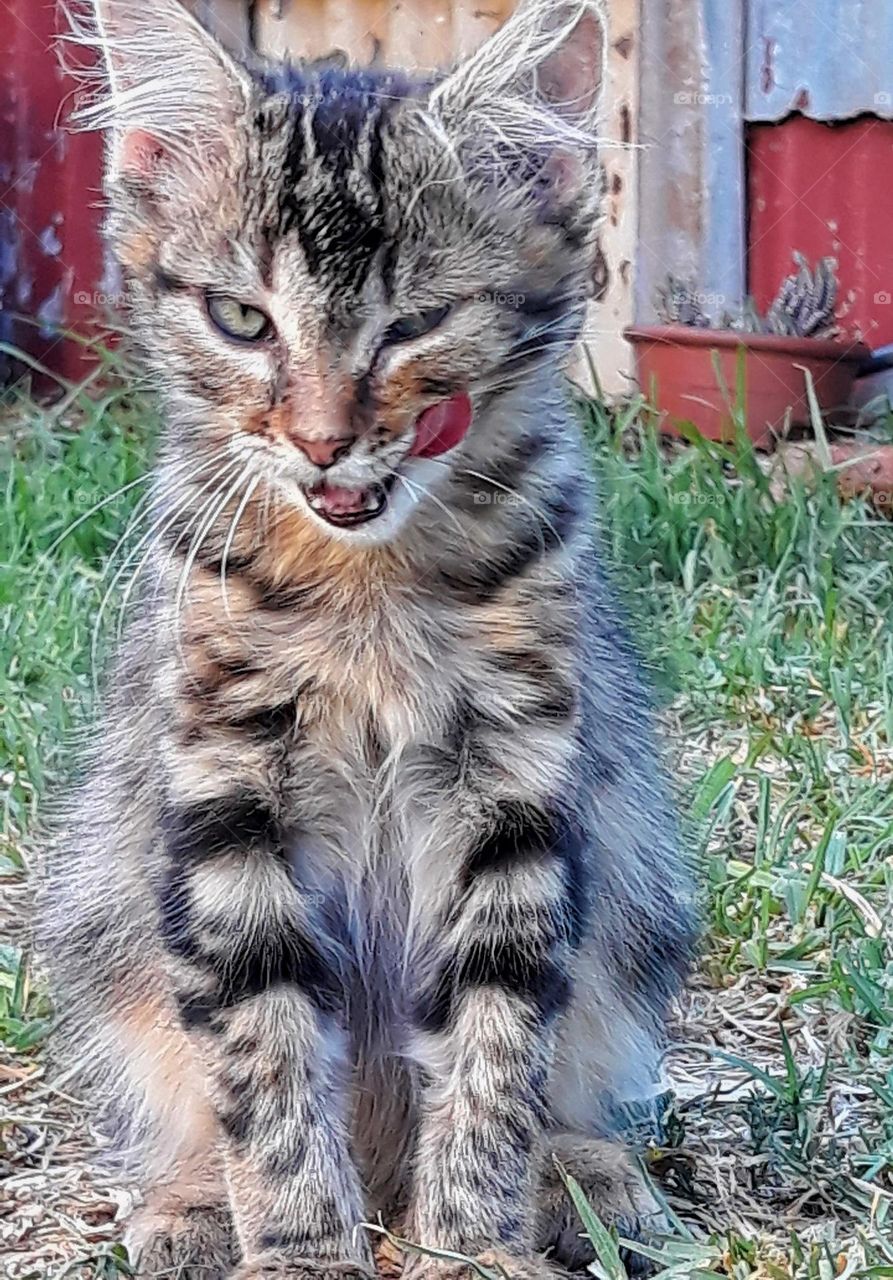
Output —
<point x="371" y="902"/>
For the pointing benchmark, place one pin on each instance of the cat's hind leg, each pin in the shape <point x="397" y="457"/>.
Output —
<point x="169" y="1133"/>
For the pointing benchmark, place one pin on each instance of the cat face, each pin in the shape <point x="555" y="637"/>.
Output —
<point x="335" y="273"/>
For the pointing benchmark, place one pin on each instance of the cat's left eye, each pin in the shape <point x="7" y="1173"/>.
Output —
<point x="409" y="327"/>
<point x="238" y="320"/>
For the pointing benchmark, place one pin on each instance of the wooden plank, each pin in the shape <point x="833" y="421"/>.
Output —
<point x="474" y="21"/>
<point x="424" y="34"/>
<point x="228" y="19"/>
<point x="300" y="30"/>
<point x="420" y="33"/>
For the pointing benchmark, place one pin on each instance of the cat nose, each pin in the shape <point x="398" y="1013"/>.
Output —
<point x="323" y="452"/>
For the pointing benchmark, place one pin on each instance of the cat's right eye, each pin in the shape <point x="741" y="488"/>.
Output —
<point x="415" y="326"/>
<point x="237" y="320"/>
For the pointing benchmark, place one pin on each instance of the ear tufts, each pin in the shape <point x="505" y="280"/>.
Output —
<point x="150" y="70"/>
<point x="536" y="83"/>
<point x="570" y="78"/>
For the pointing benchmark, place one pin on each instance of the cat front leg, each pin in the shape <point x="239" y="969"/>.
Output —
<point x="259" y="992"/>
<point x="486" y="1038"/>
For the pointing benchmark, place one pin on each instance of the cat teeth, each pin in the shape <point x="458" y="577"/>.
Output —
<point x="339" y="505"/>
<point x="336" y="498"/>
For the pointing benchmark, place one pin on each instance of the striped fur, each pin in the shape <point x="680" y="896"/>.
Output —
<point x="371" y="899"/>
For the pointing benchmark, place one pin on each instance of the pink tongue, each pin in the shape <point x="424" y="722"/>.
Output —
<point x="442" y="427"/>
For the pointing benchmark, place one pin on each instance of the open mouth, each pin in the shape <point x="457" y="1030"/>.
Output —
<point x="439" y="429"/>
<point x="345" y="508"/>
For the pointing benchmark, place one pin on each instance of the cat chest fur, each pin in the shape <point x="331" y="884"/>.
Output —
<point x="377" y="700"/>
<point x="355" y="729"/>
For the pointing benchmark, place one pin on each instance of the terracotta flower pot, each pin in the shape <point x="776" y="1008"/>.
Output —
<point x="675" y="367"/>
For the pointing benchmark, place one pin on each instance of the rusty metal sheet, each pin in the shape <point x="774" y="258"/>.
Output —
<point x="826" y="59"/>
<point x="808" y="191"/>
<point x="52" y="269"/>
<point x="691" y="166"/>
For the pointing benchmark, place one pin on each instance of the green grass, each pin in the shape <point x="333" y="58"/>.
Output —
<point x="775" y="619"/>
<point x="773" y="616"/>
<point x="765" y="621"/>
<point x="58" y="468"/>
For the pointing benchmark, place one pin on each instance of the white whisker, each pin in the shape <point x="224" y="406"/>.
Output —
<point x="420" y="488"/>
<point x="136" y="518"/>
<point x="516" y="493"/>
<point x="234" y="524"/>
<point x="155" y="531"/>
<point x="96" y="507"/>
<point x="194" y="548"/>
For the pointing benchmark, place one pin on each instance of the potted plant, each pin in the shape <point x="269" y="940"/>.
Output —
<point x="690" y="365"/>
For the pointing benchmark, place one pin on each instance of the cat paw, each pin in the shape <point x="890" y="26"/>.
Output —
<point x="613" y="1186"/>
<point x="499" y="1263"/>
<point x="617" y="1192"/>
<point x="275" y="1267"/>
<point x="195" y="1242"/>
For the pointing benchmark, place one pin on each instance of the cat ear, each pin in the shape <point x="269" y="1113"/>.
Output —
<point x="570" y="76"/>
<point x="533" y="87"/>
<point x="165" y="89"/>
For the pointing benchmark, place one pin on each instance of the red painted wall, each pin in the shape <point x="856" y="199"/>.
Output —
<point x="51" y="260"/>
<point x="823" y="189"/>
